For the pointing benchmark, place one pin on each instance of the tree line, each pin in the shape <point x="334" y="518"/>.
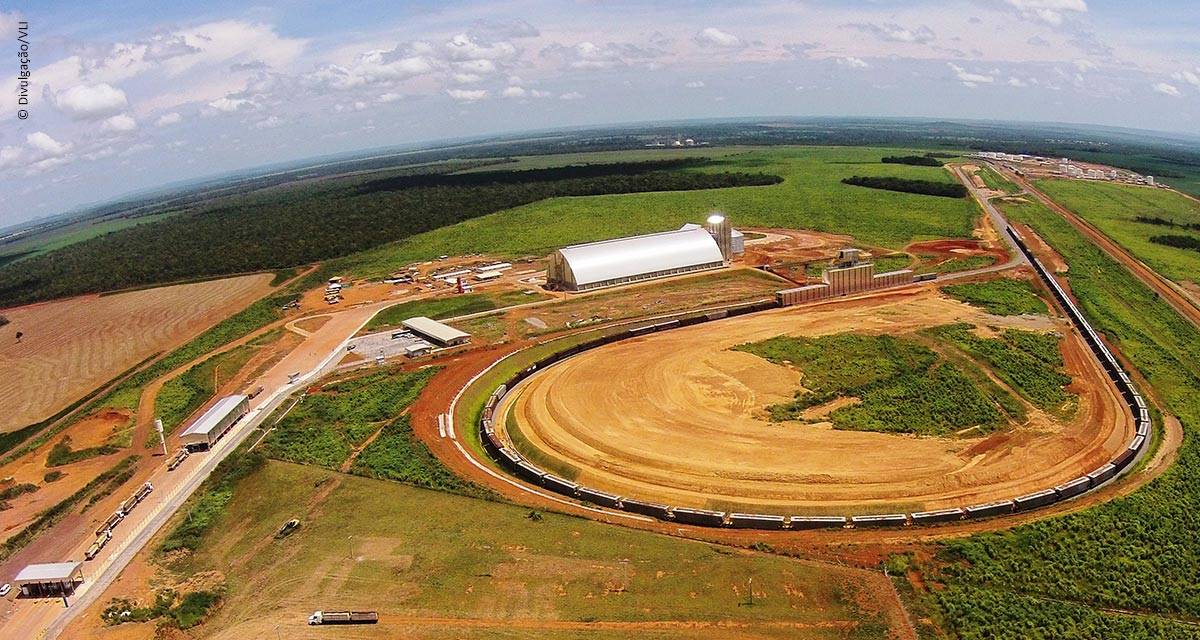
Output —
<point x="927" y="160"/>
<point x="1179" y="242"/>
<point x="317" y="221"/>
<point x="908" y="185"/>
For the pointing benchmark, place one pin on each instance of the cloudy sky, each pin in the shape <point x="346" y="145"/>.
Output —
<point x="136" y="95"/>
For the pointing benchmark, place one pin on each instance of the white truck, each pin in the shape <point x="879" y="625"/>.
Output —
<point x="343" y="617"/>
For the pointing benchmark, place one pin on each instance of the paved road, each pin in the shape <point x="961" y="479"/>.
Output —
<point x="999" y="223"/>
<point x="314" y="357"/>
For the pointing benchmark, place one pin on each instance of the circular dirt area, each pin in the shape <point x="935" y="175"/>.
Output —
<point x="678" y="417"/>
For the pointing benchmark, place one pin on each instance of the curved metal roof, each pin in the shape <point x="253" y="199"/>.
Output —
<point x="625" y="257"/>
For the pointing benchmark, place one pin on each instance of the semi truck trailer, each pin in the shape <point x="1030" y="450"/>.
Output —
<point x="343" y="617"/>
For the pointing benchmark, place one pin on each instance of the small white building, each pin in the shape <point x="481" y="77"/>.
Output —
<point x="435" y="331"/>
<point x="208" y="428"/>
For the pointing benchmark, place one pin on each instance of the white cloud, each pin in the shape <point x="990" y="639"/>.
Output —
<point x="1166" y="89"/>
<point x="10" y="156"/>
<point x="1085" y="65"/>
<point x="1016" y="82"/>
<point x="467" y="95"/>
<point x="230" y="105"/>
<point x="389" y="97"/>
<point x="89" y="102"/>
<point x="694" y="84"/>
<point x="269" y="123"/>
<point x="1189" y="77"/>
<point x="1052" y="12"/>
<point x="714" y="37"/>
<point x="47" y="146"/>
<point x="120" y="123"/>
<point x="590" y="56"/>
<point x="168" y="119"/>
<point x="892" y="32"/>
<point x="968" y="78"/>
<point x="571" y="95"/>
<point x="852" y="62"/>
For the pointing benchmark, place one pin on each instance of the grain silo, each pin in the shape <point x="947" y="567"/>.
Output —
<point x="718" y="226"/>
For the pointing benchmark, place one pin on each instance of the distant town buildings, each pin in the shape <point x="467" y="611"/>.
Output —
<point x="1065" y="167"/>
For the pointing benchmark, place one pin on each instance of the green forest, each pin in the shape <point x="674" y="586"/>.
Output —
<point x="317" y="221"/>
<point x="906" y="185"/>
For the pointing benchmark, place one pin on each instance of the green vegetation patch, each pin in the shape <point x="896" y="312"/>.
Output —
<point x="1028" y="362"/>
<point x="62" y="454"/>
<point x="190" y="611"/>
<point x="1003" y="297"/>
<point x="1179" y="242"/>
<point x="441" y="308"/>
<point x="922" y="187"/>
<point x="325" y="427"/>
<point x="916" y="161"/>
<point x="995" y="181"/>
<point x="209" y="502"/>
<point x="1128" y="214"/>
<point x="902" y="386"/>
<point x="182" y="395"/>
<point x="397" y="454"/>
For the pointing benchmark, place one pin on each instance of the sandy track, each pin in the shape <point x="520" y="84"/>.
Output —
<point x="72" y="346"/>
<point x="674" y="417"/>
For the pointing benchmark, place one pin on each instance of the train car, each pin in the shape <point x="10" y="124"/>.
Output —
<point x="509" y="457"/>
<point x="1144" y="414"/>
<point x="884" y="520"/>
<point x="110" y="522"/>
<point x="816" y="522"/>
<point x="1143" y="428"/>
<point x="940" y="515"/>
<point x="716" y="315"/>
<point x="997" y="508"/>
<point x="530" y="472"/>
<point x="560" y="485"/>
<point x="652" y="509"/>
<point x="756" y="521"/>
<point x="1035" y="499"/>
<point x="1140" y="402"/>
<point x="925" y="277"/>
<point x="1073" y="488"/>
<point x="1102" y="475"/>
<point x="599" y="497"/>
<point x="700" y="517"/>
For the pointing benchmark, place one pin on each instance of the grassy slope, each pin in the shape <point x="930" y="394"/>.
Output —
<point x="1002" y="296"/>
<point x="1137" y="553"/>
<point x="441" y="308"/>
<point x="416" y="552"/>
<point x="811" y="197"/>
<point x="1113" y="207"/>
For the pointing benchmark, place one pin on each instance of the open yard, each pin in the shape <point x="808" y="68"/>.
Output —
<point x="437" y="565"/>
<point x="680" y="417"/>
<point x="70" y="347"/>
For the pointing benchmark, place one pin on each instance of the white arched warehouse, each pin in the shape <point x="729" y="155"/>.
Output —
<point x="611" y="262"/>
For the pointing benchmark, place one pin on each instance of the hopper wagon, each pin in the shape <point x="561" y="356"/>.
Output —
<point x="1073" y="488"/>
<point x="652" y="509"/>
<point x="756" y="521"/>
<point x="884" y="520"/>
<point x="701" y="517"/>
<point x="599" y="497"/>
<point x="1035" y="499"/>
<point x="997" y="508"/>
<point x="816" y="522"/>
<point x="940" y="515"/>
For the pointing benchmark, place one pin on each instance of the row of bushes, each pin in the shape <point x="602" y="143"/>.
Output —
<point x="907" y="185"/>
<point x="1179" y="242"/>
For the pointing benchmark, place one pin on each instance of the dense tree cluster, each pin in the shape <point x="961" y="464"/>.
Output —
<point x="1179" y="242"/>
<point x="916" y="161"/>
<point x="906" y="185"/>
<point x="311" y="222"/>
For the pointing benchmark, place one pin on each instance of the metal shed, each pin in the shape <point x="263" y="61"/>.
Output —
<point x="443" y="334"/>
<point x="208" y="428"/>
<point x="50" y="579"/>
<point x="612" y="262"/>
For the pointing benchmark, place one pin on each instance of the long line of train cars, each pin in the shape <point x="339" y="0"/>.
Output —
<point x="515" y="463"/>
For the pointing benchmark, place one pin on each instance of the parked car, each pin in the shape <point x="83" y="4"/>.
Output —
<point x="5" y="589"/>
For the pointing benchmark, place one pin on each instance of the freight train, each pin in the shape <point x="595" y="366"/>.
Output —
<point x="515" y="463"/>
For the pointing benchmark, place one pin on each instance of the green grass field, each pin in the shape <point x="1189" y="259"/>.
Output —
<point x="902" y="385"/>
<point x="1112" y="208"/>
<point x="811" y="197"/>
<point x="995" y="181"/>
<point x="1003" y="296"/>
<point x="420" y="553"/>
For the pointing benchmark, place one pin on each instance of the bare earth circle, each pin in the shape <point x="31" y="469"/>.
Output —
<point x="677" y="417"/>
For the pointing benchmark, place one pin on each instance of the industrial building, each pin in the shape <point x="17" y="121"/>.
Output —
<point x="208" y="428"/>
<point x="435" y="331"/>
<point x="49" y="580"/>
<point x="607" y="263"/>
<point x="848" y="274"/>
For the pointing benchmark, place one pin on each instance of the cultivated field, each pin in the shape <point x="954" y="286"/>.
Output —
<point x="72" y="346"/>
<point x="437" y="565"/>
<point x="678" y="417"/>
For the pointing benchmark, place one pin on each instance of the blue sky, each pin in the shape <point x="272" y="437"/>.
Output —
<point x="138" y="94"/>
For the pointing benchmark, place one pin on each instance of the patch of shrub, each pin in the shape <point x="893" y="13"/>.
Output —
<point x="908" y="185"/>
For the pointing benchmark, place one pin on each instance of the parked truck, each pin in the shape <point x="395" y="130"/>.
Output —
<point x="101" y="540"/>
<point x="343" y="617"/>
